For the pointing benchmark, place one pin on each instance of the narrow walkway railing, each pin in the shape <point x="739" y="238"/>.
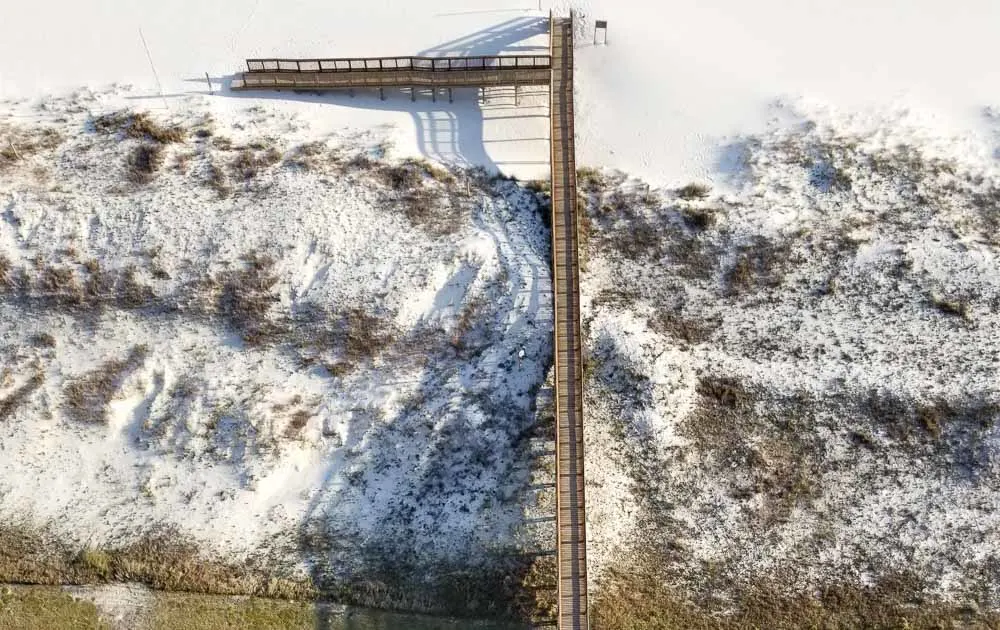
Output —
<point x="391" y="64"/>
<point x="383" y="72"/>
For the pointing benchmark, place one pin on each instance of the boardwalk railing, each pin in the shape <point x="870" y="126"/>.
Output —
<point x="393" y="64"/>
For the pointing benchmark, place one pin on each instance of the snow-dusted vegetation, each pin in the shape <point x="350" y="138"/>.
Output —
<point x="310" y="361"/>
<point x="797" y="380"/>
<point x="303" y="351"/>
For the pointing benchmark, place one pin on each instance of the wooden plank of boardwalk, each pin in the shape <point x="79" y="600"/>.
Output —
<point x="571" y="539"/>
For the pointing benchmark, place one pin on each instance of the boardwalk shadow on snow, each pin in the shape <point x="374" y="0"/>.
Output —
<point x="449" y="132"/>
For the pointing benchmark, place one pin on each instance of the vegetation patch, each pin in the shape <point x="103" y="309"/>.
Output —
<point x="161" y="558"/>
<point x="641" y="597"/>
<point x="693" y="191"/>
<point x="173" y="611"/>
<point x="14" y="400"/>
<point x="143" y="161"/>
<point x="247" y="297"/>
<point x="19" y="143"/>
<point x="86" y="398"/>
<point x="138" y="125"/>
<point x="249" y="162"/>
<point x="33" y="608"/>
<point x="759" y="264"/>
<point x="675" y="325"/>
<point x="952" y="307"/>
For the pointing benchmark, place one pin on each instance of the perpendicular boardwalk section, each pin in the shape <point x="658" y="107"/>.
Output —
<point x="571" y="539"/>
<point x="374" y="72"/>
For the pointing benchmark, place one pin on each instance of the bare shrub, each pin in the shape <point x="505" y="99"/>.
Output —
<point x="365" y="335"/>
<point x="43" y="340"/>
<point x="60" y="285"/>
<point x="248" y="163"/>
<point x="698" y="219"/>
<point x="693" y="191"/>
<point x="471" y="315"/>
<point x="404" y="176"/>
<point x="143" y="161"/>
<point x="182" y="162"/>
<point x="98" y="285"/>
<point x="5" y="272"/>
<point x="674" y="324"/>
<point x="308" y="156"/>
<point x="87" y="397"/>
<point x="247" y="297"/>
<point x="952" y="307"/>
<point x="298" y="422"/>
<point x="19" y="143"/>
<point x="723" y="391"/>
<point x="431" y="212"/>
<point x="539" y="186"/>
<point x="222" y="143"/>
<point x="19" y="396"/>
<point x="590" y="180"/>
<point x="132" y="292"/>
<point x="137" y="125"/>
<point x="758" y="265"/>
<point x="912" y="423"/>
<point x="218" y="181"/>
<point x="359" y="162"/>
<point x="435" y="172"/>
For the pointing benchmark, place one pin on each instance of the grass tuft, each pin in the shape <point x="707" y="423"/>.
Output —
<point x="87" y="397"/>
<point x="693" y="191"/>
<point x="143" y="161"/>
<point x="19" y="396"/>
<point x="137" y="125"/>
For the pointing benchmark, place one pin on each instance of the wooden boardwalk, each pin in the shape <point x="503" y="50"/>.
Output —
<point x="555" y="70"/>
<point x="571" y="538"/>
<point x="381" y="72"/>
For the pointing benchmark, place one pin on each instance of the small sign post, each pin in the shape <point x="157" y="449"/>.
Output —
<point x="601" y="25"/>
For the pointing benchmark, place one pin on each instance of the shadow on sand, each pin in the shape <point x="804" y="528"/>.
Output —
<point x="448" y="132"/>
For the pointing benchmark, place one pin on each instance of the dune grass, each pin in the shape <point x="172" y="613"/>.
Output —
<point x="46" y="608"/>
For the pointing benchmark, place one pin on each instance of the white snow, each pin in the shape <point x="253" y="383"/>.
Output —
<point x="676" y="82"/>
<point x="199" y="435"/>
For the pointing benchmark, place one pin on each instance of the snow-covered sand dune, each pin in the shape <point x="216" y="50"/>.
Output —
<point x="274" y="337"/>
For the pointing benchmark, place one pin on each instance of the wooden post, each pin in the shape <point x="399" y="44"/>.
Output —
<point x="450" y="100"/>
<point x="434" y="94"/>
<point x="413" y="94"/>
<point x="209" y="83"/>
